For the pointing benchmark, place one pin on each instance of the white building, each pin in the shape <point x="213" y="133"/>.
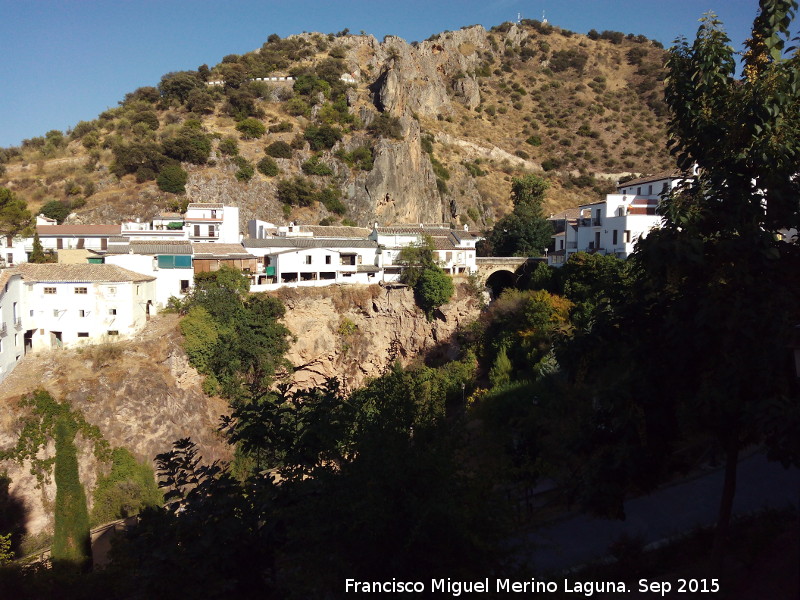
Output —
<point x="65" y="305"/>
<point x="313" y="262"/>
<point x="74" y="237"/>
<point x="614" y="225"/>
<point x="169" y="262"/>
<point x="12" y="346"/>
<point x="454" y="249"/>
<point x="211" y="222"/>
<point x="12" y="251"/>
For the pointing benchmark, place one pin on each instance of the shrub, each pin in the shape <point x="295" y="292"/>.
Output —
<point x="190" y="144"/>
<point x="267" y="166"/>
<point x="386" y="125"/>
<point x="279" y="150"/>
<point x="360" y="158"/>
<point x="297" y="107"/>
<point x="330" y="198"/>
<point x="245" y="171"/>
<point x="298" y="191"/>
<point x="323" y="137"/>
<point x="229" y="146"/>
<point x="313" y="166"/>
<point x="126" y="490"/>
<point x="281" y="127"/>
<point x="172" y="178"/>
<point x="251" y="129"/>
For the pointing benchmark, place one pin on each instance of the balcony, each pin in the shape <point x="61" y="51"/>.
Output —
<point x="3" y="330"/>
<point x="18" y="323"/>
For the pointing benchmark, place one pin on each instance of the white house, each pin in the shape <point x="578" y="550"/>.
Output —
<point x="211" y="222"/>
<point x="454" y="249"/>
<point x="170" y="262"/>
<point x="66" y="305"/>
<point x="313" y="262"/>
<point x="12" y="251"/>
<point x="74" y="237"/>
<point x="12" y="346"/>
<point x="614" y="225"/>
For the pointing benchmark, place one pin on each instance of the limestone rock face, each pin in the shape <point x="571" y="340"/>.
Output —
<point x="421" y="79"/>
<point x="357" y="332"/>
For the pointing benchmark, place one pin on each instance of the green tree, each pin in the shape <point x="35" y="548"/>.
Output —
<point x="14" y="213"/>
<point x="178" y="85"/>
<point x="524" y="232"/>
<point x="433" y="289"/>
<point x="55" y="209"/>
<point x="190" y="144"/>
<point x="172" y="178"/>
<point x="715" y="275"/>
<point x="37" y="254"/>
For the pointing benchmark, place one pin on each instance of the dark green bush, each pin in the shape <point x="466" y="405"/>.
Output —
<point x="172" y="178"/>
<point x="279" y="149"/>
<point x="267" y="166"/>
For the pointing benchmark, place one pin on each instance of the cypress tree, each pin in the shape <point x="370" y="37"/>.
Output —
<point x="37" y="255"/>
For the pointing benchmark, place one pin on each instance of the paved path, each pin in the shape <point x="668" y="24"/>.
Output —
<point x="664" y="513"/>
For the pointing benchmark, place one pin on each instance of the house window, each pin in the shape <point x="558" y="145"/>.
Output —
<point x="137" y="289"/>
<point x="650" y="190"/>
<point x="664" y="188"/>
<point x="59" y="244"/>
<point x="627" y="236"/>
<point x="112" y="311"/>
<point x="81" y="313"/>
<point x="83" y="334"/>
<point x="184" y="286"/>
<point x="49" y="290"/>
<point x="113" y="332"/>
<point x="638" y="191"/>
<point x="308" y="259"/>
<point x="614" y="237"/>
<point x="81" y="290"/>
<point x="448" y="256"/>
<point x="327" y="259"/>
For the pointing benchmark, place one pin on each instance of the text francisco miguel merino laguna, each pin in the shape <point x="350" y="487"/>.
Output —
<point x="456" y="588"/>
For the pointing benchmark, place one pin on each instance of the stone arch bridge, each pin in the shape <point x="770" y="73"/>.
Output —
<point x="504" y="271"/>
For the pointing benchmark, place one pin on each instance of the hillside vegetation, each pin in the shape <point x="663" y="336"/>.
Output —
<point x="428" y="131"/>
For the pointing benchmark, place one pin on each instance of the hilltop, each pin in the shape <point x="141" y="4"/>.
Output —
<point x="356" y="130"/>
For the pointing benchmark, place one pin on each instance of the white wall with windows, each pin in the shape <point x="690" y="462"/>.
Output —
<point x="12" y="334"/>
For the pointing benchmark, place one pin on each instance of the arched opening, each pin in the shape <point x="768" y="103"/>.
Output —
<point x="500" y="280"/>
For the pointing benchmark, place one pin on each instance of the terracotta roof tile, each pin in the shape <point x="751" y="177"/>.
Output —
<point x="79" y="273"/>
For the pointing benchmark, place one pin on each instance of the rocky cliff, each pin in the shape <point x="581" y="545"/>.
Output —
<point x="143" y="394"/>
<point x="357" y="332"/>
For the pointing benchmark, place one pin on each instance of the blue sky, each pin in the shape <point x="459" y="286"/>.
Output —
<point x="67" y="61"/>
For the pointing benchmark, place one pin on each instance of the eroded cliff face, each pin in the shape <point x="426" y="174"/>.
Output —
<point x="142" y="394"/>
<point x="357" y="332"/>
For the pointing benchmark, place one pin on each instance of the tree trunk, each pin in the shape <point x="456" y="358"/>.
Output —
<point x="726" y="502"/>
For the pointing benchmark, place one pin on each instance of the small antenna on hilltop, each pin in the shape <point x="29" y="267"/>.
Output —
<point x="519" y="18"/>
<point x="544" y="19"/>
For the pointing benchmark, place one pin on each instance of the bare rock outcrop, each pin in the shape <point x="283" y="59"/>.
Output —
<point x="357" y="332"/>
